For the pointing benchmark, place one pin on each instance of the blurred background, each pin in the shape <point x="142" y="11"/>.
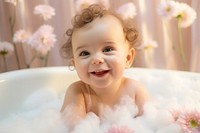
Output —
<point x="168" y="40"/>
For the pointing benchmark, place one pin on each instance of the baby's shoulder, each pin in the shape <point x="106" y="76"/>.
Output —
<point x="78" y="83"/>
<point x="76" y="87"/>
<point x="138" y="90"/>
<point x="132" y="83"/>
<point x="74" y="95"/>
<point x="134" y="86"/>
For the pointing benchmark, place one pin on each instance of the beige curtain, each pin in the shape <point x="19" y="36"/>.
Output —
<point x="147" y="21"/>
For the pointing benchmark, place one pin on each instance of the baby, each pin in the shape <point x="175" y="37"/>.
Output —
<point x="100" y="46"/>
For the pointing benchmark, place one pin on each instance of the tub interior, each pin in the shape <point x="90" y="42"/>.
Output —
<point x="30" y="101"/>
<point x="17" y="86"/>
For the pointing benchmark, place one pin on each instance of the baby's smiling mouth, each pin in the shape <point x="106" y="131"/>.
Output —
<point x="100" y="73"/>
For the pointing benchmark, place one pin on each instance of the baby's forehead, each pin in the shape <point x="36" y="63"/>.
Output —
<point x="102" y="29"/>
<point x="113" y="18"/>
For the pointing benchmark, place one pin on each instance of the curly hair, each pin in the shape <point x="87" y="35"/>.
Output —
<point x="86" y="16"/>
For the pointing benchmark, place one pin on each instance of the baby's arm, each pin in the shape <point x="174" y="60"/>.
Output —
<point x="73" y="108"/>
<point x="141" y="97"/>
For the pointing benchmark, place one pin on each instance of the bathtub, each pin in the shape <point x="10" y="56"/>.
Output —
<point x="18" y="87"/>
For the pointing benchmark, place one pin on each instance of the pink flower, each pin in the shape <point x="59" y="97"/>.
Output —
<point x="21" y="36"/>
<point x="186" y="14"/>
<point x="149" y="44"/>
<point x="5" y="48"/>
<point x="43" y="39"/>
<point x="183" y="12"/>
<point x="127" y="10"/>
<point x="119" y="129"/>
<point x="81" y="4"/>
<point x="175" y="113"/>
<point x="45" y="11"/>
<point x="105" y="3"/>
<point x="167" y="9"/>
<point x="190" y="121"/>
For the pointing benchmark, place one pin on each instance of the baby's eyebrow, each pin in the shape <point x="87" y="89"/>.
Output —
<point x="109" y="42"/>
<point x="80" y="47"/>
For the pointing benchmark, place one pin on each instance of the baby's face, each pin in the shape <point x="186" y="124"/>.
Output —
<point x="100" y="52"/>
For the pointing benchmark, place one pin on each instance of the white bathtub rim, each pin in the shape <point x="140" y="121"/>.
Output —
<point x="52" y="72"/>
<point x="59" y="69"/>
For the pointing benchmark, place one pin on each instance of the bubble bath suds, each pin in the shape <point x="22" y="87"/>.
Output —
<point x="174" y="108"/>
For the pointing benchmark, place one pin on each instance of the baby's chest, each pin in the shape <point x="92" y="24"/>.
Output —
<point x="95" y="106"/>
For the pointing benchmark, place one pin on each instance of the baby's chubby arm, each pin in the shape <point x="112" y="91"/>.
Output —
<point x="141" y="97"/>
<point x="138" y="92"/>
<point x="73" y="108"/>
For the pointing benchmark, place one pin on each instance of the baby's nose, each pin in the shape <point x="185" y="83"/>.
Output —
<point x="97" y="60"/>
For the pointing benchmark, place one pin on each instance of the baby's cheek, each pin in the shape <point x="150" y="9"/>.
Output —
<point x="81" y="63"/>
<point x="117" y="59"/>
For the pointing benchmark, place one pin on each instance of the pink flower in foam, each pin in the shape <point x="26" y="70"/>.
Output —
<point x="43" y="39"/>
<point x="190" y="121"/>
<point x="119" y="129"/>
<point x="175" y="113"/>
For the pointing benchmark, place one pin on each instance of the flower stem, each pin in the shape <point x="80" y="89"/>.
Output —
<point x="170" y="36"/>
<point x="182" y="51"/>
<point x="12" y="25"/>
<point x="32" y="59"/>
<point x="46" y="59"/>
<point x="4" y="62"/>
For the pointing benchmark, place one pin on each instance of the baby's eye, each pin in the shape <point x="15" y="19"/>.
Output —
<point x="108" y="49"/>
<point x="84" y="53"/>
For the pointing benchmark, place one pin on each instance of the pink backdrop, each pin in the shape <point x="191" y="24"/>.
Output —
<point x="147" y="21"/>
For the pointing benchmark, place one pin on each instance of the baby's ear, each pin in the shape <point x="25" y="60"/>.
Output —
<point x="130" y="57"/>
<point x="72" y="63"/>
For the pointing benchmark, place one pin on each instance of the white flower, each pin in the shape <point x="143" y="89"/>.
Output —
<point x="5" y="48"/>
<point x="43" y="39"/>
<point x="105" y="3"/>
<point x="14" y="2"/>
<point x="186" y="15"/>
<point x="168" y="9"/>
<point x="45" y="11"/>
<point x="81" y="4"/>
<point x="149" y="44"/>
<point x="127" y="10"/>
<point x="21" y="36"/>
<point x="183" y="12"/>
